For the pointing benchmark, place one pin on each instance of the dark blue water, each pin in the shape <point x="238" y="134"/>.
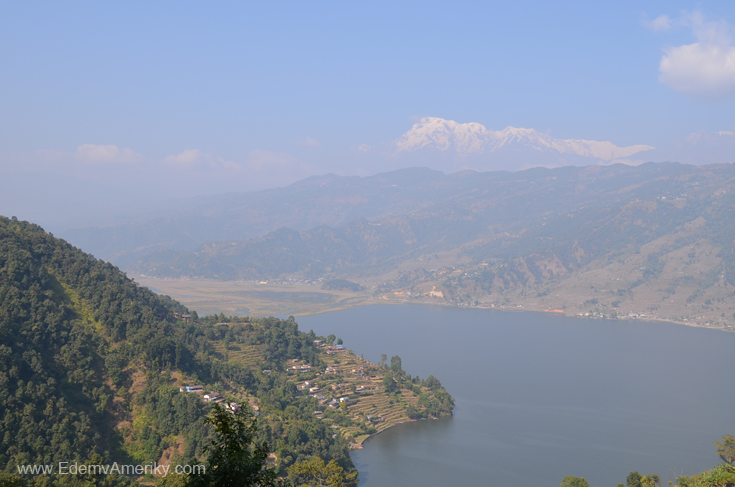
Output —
<point x="541" y="396"/>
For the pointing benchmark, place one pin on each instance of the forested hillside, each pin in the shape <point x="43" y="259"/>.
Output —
<point x="92" y="364"/>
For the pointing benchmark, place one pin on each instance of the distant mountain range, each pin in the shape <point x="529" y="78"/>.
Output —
<point x="467" y="139"/>
<point x="445" y="146"/>
<point x="657" y="237"/>
<point x="432" y="212"/>
<point x="451" y="146"/>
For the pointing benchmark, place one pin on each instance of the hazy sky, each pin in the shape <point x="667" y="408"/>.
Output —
<point x="197" y="91"/>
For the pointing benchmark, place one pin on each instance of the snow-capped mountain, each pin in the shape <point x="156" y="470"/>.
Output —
<point x="472" y="139"/>
<point x="451" y="146"/>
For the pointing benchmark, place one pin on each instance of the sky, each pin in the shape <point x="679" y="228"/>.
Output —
<point x="208" y="97"/>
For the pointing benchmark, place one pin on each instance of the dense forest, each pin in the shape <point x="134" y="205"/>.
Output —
<point x="91" y="365"/>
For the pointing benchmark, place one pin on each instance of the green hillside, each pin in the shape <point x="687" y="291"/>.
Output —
<point x="92" y="366"/>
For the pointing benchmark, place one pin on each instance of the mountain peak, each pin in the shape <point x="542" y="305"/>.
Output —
<point x="468" y="139"/>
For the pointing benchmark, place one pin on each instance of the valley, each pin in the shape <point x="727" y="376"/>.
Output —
<point x="646" y="242"/>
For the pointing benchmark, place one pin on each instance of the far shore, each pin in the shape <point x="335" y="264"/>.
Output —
<point x="239" y="298"/>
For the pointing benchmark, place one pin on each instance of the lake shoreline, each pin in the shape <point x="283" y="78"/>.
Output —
<point x="375" y="302"/>
<point x="261" y="300"/>
<point x="362" y="442"/>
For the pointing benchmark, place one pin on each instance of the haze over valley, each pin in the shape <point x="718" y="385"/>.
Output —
<point x="649" y="240"/>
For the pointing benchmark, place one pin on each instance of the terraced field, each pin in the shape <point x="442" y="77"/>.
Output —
<point x="342" y="375"/>
<point x="349" y="375"/>
<point x="246" y="355"/>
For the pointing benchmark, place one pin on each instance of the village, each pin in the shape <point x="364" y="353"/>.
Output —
<point x="346" y="385"/>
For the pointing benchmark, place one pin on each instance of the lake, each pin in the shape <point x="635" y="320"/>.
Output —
<point x="540" y="396"/>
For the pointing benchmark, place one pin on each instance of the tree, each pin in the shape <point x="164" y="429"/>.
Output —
<point x="330" y="339"/>
<point x="395" y="363"/>
<point x="633" y="479"/>
<point x="388" y="382"/>
<point x="412" y="412"/>
<point x="433" y="383"/>
<point x="723" y="475"/>
<point x="172" y="480"/>
<point x="315" y="473"/>
<point x="726" y="449"/>
<point x="339" y="341"/>
<point x="572" y="481"/>
<point x="383" y="359"/>
<point x="232" y="457"/>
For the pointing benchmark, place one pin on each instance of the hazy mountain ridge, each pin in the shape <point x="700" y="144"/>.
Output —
<point x="510" y="213"/>
<point x="319" y="200"/>
<point x="436" y="143"/>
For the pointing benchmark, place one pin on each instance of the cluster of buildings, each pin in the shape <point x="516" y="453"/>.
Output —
<point x="334" y="403"/>
<point x="300" y="368"/>
<point x="314" y="391"/>
<point x="307" y="385"/>
<point x="214" y="397"/>
<point x="217" y="398"/>
<point x="335" y="349"/>
<point x="331" y="349"/>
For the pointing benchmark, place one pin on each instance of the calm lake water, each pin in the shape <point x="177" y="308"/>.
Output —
<point x="541" y="396"/>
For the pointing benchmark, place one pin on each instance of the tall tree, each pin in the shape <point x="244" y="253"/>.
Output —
<point x="395" y="363"/>
<point x="315" y="473"/>
<point x="233" y="459"/>
<point x="726" y="449"/>
<point x="633" y="479"/>
<point x="572" y="481"/>
<point x="388" y="383"/>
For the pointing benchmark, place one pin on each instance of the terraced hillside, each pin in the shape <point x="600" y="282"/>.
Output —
<point x="352" y="395"/>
